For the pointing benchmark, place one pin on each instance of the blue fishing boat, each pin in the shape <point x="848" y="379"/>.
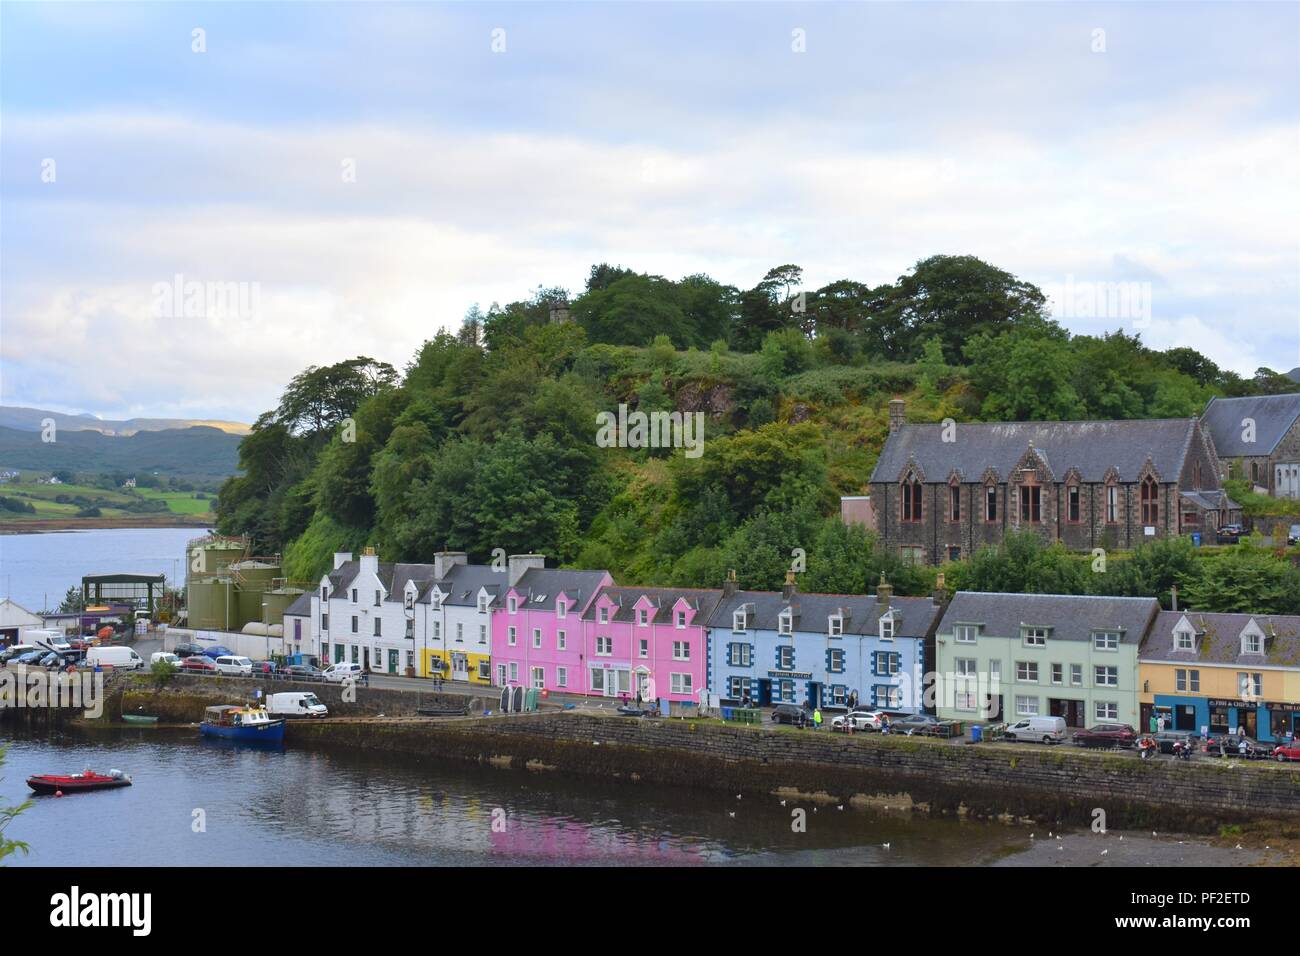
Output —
<point x="243" y="723"/>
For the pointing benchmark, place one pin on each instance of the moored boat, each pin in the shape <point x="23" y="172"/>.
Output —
<point x="47" y="783"/>
<point x="234" y="722"/>
<point x="139" y="719"/>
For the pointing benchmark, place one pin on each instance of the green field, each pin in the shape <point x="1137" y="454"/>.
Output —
<point x="111" y="504"/>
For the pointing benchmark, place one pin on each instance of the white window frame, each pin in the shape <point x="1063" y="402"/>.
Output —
<point x="604" y="646"/>
<point x="1105" y="710"/>
<point x="680" y="618"/>
<point x="1107" y="641"/>
<point x="738" y="622"/>
<point x="835" y="625"/>
<point x="1184" y="639"/>
<point x="1023" y="669"/>
<point x="537" y="638"/>
<point x="561" y="676"/>
<point x="512" y="635"/>
<point x="681" y="650"/>
<point x="1026" y="706"/>
<point x="785" y="622"/>
<point x="561" y="640"/>
<point x="681" y="683"/>
<point x="1105" y="676"/>
<point x="1034" y="636"/>
<point x="642" y="617"/>
<point x="965" y="633"/>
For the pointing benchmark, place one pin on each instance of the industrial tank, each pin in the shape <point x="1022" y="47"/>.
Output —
<point x="213" y="604"/>
<point x="276" y="601"/>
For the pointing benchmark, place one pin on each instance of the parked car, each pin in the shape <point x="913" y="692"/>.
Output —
<point x="1285" y="752"/>
<point x="1166" y="739"/>
<point x="198" y="664"/>
<point x="781" y="713"/>
<point x="1047" y="730"/>
<point x="1106" y="735"/>
<point x="923" y="724"/>
<point x="187" y="650"/>
<point x="270" y="668"/>
<point x="1293" y="535"/>
<point x="80" y="643"/>
<point x="861" y="720"/>
<point x="232" y="665"/>
<point x="1230" y="533"/>
<point x="343" y="670"/>
<point x="301" y="672"/>
<point x="216" y="650"/>
<point x="1238" y="745"/>
<point x="166" y="656"/>
<point x="16" y="651"/>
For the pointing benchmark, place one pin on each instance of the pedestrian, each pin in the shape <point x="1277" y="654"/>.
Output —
<point x="884" y="723"/>
<point x="817" y="719"/>
<point x="1161" y="724"/>
<point x="1153" y="724"/>
<point x="638" y="698"/>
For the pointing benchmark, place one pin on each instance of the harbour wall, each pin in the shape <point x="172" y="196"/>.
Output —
<point x="1008" y="781"/>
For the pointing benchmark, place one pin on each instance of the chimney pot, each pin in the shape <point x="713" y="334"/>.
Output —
<point x="897" y="414"/>
<point x="883" y="591"/>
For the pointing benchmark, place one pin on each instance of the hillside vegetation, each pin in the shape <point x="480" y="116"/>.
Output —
<point x="487" y="439"/>
<point x="197" y="453"/>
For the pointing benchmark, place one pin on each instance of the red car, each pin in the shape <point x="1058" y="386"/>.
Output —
<point x="1285" y="752"/>
<point x="1106" y="735"/>
<point x="198" y="664"/>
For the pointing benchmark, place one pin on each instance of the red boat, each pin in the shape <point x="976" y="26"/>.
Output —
<point x="78" y="782"/>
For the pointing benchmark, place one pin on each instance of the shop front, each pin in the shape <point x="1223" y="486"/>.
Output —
<point x="1265" y="721"/>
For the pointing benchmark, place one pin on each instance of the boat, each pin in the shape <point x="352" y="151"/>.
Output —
<point x="139" y="719"/>
<point x="87" y="780"/>
<point x="244" y="723"/>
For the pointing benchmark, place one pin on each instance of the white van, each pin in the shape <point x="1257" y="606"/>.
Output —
<point x="296" y="705"/>
<point x="233" y="666"/>
<point x="343" y="670"/>
<point x="1050" y="730"/>
<point x="123" y="658"/>
<point x="166" y="656"/>
<point x="48" y="640"/>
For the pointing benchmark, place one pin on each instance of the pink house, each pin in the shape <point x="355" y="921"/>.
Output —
<point x="537" y="638"/>
<point x="647" y="641"/>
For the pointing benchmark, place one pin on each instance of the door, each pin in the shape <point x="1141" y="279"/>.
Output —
<point x="1184" y="717"/>
<point x="814" y="694"/>
<point x="365" y="658"/>
<point x="763" y="692"/>
<point x="1070" y="710"/>
<point x="1246" y="718"/>
<point x="392" y="662"/>
<point x="643" y="684"/>
<point x="459" y="667"/>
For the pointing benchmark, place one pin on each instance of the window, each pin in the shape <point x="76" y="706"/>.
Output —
<point x="1105" y="676"/>
<point x="740" y="655"/>
<point x="1106" y="710"/>
<point x="1105" y="640"/>
<point x="887" y="626"/>
<point x="378" y="598"/>
<point x="1112" y="503"/>
<point x="324" y="622"/>
<point x="324" y="594"/>
<point x="604" y="646"/>
<point x="954" y="552"/>
<point x="1027" y="706"/>
<point x="785" y="622"/>
<point x="598" y="680"/>
<point x="1058" y="674"/>
<point x="1150" y="498"/>
<point x="379" y="627"/>
<point x="537" y="636"/>
<point x="1027" y="672"/>
<point x="1250" y="685"/>
<point x="681" y="650"/>
<point x="912" y="554"/>
<point x="1185" y="640"/>
<point x="911" y="500"/>
<point x="460" y="633"/>
<point x="604" y="614"/>
<point x="991" y="503"/>
<point x="835" y="660"/>
<point x="886" y="663"/>
<point x="886" y="695"/>
<point x="437" y="599"/>
<point x="964" y="686"/>
<point x="965" y="633"/>
<point x="482" y="634"/>
<point x="785" y="658"/>
<point x="643" y="648"/>
<point x="680" y="683"/>
<point x="1251" y="643"/>
<point x="561" y="677"/>
<point x="512" y="604"/>
<point x="355" y="626"/>
<point x="501" y="675"/>
<point x="954" y="502"/>
<point x="354" y="595"/>
<point x="738" y="687"/>
<point x="561" y="611"/>
<point x="835" y="625"/>
<point x="642" y="617"/>
<point x="514" y="672"/>
<point x="681" y="619"/>
<point x="338" y="653"/>
<point x="482" y="603"/>
<point x="1072" y="504"/>
<point x="1076" y="675"/>
<point x="738" y="621"/>
<point x="561" y="641"/>
<point x="1030" y="503"/>
<point x="512" y="635"/>
<point x="1187" y="680"/>
<point x="1035" y="636"/>
<point x="538" y="677"/>
<point x="437" y="631"/>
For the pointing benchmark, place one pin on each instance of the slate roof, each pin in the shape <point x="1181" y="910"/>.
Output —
<point x="540" y="586"/>
<point x="301" y="607"/>
<point x="1091" y="447"/>
<point x="1211" y="500"/>
<point x="1219" y="639"/>
<point x="703" y="600"/>
<point x="813" y="611"/>
<point x="1071" y="617"/>
<point x="1273" y="415"/>
<point x="461" y="586"/>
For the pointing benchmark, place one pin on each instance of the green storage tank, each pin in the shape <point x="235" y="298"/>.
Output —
<point x="275" y="602"/>
<point x="213" y="604"/>
<point x="212" y="556"/>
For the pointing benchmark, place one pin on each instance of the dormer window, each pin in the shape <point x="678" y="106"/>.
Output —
<point x="561" y="610"/>
<point x="785" y="623"/>
<point x="681" y="619"/>
<point x="835" y="625"/>
<point x="966" y="633"/>
<point x="1185" y="639"/>
<point x="410" y="600"/>
<point x="738" y="621"/>
<point x="1034" y="636"/>
<point x="324" y="594"/>
<point x="604" y="614"/>
<point x="436" y="598"/>
<point x="482" y="603"/>
<point x="888" y="626"/>
<point x="513" y="604"/>
<point x="1105" y="640"/>
<point x="642" y="617"/>
<point x="1252" y="641"/>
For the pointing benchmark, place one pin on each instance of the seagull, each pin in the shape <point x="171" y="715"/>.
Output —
<point x="737" y="796"/>
<point x="1058" y="836"/>
<point x="782" y="803"/>
<point x="1153" y="832"/>
<point x="1049" y="832"/>
<point x="732" y="814"/>
<point x="885" y="845"/>
<point x="1104" y="852"/>
<point x="1121" y="836"/>
<point x="1238" y="847"/>
<point x="840" y="807"/>
<point x="1031" y="836"/>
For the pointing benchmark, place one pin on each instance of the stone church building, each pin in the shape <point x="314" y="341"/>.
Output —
<point x="1259" y="438"/>
<point x="940" y="492"/>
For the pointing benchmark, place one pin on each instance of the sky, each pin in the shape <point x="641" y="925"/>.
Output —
<point x="341" y="179"/>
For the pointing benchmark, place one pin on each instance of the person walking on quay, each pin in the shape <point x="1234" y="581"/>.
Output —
<point x="1153" y="724"/>
<point x="817" y="719"/>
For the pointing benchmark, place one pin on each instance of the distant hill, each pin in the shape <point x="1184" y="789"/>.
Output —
<point x="30" y="420"/>
<point x="196" y="452"/>
<point x="1294" y="374"/>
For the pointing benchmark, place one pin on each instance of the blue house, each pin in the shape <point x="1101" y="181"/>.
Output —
<point x="786" y="647"/>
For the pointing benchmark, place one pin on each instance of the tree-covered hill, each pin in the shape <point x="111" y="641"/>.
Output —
<point x="488" y="438"/>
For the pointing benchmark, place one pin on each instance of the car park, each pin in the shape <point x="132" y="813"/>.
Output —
<point x="15" y="651"/>
<point x="1106" y="736"/>
<point x="860" y="720"/>
<point x="1047" y="730"/>
<point x="1229" y="534"/>
<point x="786" y="714"/>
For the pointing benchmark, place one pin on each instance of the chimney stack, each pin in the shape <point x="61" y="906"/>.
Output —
<point x="370" y="561"/>
<point x="897" y="414"/>
<point x="341" y="558"/>
<point x="787" y="592"/>
<point x="520" y="563"/>
<point x="729" y="585"/>
<point x="444" y="561"/>
<point x="883" y="591"/>
<point x="940" y="595"/>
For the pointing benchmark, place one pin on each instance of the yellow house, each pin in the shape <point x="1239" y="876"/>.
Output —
<point x="1222" y="673"/>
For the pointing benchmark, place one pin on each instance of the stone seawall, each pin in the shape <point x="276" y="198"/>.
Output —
<point x="988" y="780"/>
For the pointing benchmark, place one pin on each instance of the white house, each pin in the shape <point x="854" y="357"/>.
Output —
<point x="15" y="621"/>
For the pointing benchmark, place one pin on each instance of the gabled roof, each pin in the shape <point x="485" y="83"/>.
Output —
<point x="812" y="612"/>
<point x="1072" y="617"/>
<point x="1273" y="416"/>
<point x="462" y="584"/>
<point x="301" y="607"/>
<point x="1091" y="447"/>
<point x="1219" y="639"/>
<point x="703" y="600"/>
<point x="539" y="587"/>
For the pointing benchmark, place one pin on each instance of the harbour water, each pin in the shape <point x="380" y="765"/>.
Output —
<point x="37" y="569"/>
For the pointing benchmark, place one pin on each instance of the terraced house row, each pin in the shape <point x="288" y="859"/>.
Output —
<point x="975" y="657"/>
